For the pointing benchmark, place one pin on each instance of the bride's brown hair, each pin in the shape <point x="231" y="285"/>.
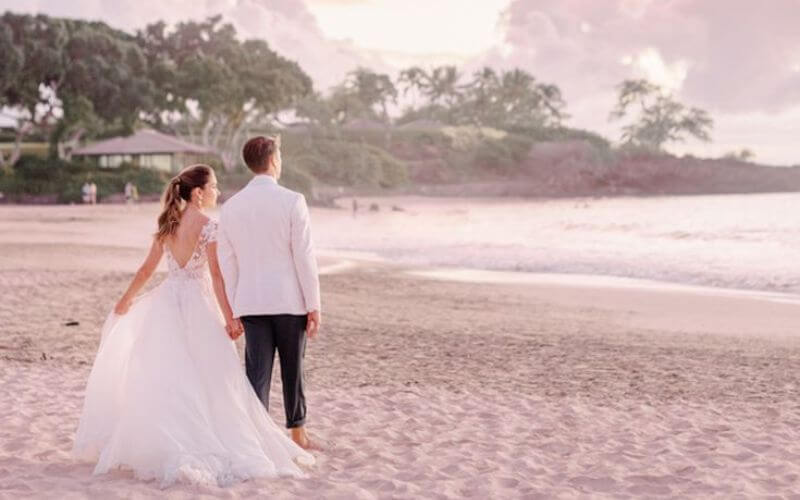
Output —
<point x="176" y="194"/>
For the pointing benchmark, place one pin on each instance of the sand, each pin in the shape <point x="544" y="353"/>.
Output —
<point x="426" y="387"/>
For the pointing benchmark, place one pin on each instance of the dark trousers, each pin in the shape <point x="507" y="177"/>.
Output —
<point x="287" y="334"/>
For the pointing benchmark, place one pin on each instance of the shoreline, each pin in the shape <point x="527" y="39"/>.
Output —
<point x="600" y="281"/>
<point x="350" y="259"/>
<point x="41" y="226"/>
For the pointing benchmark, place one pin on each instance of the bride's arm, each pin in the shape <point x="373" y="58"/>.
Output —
<point x="219" y="289"/>
<point x="144" y="273"/>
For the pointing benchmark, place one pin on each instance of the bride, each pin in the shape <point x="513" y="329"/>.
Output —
<point x="167" y="396"/>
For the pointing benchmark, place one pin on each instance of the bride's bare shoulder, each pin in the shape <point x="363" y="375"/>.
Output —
<point x="195" y="220"/>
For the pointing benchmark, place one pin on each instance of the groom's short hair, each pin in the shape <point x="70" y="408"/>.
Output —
<point x="257" y="152"/>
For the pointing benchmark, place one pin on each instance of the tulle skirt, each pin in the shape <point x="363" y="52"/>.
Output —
<point x="167" y="397"/>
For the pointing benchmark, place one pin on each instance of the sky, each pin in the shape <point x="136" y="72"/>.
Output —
<point x="738" y="59"/>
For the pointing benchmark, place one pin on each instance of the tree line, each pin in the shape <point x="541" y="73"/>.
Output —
<point x="71" y="80"/>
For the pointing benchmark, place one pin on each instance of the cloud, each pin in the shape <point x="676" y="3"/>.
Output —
<point x="731" y="57"/>
<point x="413" y="27"/>
<point x="292" y="30"/>
<point x="650" y="65"/>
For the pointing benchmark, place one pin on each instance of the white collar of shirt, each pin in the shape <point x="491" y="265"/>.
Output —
<point x="262" y="179"/>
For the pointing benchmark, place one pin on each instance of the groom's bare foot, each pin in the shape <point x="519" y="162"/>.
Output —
<point x="300" y="436"/>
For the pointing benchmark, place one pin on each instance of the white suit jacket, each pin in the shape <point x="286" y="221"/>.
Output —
<point x="265" y="251"/>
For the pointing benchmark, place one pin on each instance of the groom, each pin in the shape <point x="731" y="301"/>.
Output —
<point x="271" y="279"/>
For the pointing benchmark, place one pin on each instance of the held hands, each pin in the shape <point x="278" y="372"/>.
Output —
<point x="234" y="328"/>
<point x="314" y="321"/>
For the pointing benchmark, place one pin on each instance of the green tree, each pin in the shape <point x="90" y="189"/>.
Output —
<point x="11" y="64"/>
<point x="440" y="88"/>
<point x="316" y="109"/>
<point x="105" y="85"/>
<point x="214" y="88"/>
<point x="413" y="79"/>
<point x="364" y="94"/>
<point x="64" y="78"/>
<point x="511" y="100"/>
<point x="660" y="118"/>
<point x="443" y="87"/>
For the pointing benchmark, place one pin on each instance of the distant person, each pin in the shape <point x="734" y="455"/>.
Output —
<point x="355" y="207"/>
<point x="131" y="193"/>
<point x="167" y="396"/>
<point x="93" y="193"/>
<point x="86" y="192"/>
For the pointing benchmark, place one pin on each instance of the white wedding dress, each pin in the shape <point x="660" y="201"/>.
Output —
<point x="167" y="396"/>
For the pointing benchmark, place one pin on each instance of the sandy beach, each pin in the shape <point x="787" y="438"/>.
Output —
<point x="430" y="384"/>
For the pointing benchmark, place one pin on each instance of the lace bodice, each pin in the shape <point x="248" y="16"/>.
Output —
<point x="196" y="267"/>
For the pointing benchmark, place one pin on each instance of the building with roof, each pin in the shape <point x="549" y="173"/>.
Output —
<point x="146" y="148"/>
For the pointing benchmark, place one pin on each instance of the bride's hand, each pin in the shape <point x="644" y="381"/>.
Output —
<point x="122" y="306"/>
<point x="234" y="328"/>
